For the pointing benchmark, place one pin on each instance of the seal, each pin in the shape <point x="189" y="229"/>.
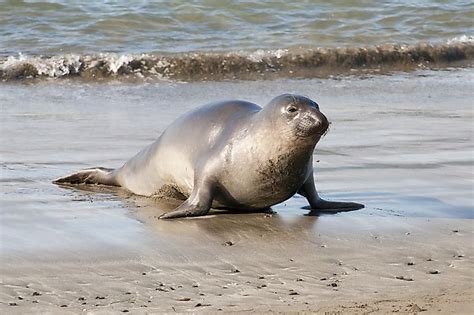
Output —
<point x="231" y="154"/>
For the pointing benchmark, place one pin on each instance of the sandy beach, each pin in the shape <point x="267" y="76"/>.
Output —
<point x="401" y="144"/>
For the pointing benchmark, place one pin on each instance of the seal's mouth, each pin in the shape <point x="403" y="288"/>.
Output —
<point x="326" y="130"/>
<point x="309" y="126"/>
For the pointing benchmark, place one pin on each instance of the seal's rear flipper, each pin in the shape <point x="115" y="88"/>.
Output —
<point x="97" y="175"/>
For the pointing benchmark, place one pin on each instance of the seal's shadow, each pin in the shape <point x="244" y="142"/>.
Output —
<point x="162" y="205"/>
<point x="158" y="206"/>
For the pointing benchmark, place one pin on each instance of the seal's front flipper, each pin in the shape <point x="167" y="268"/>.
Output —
<point x="186" y="210"/>
<point x="98" y="175"/>
<point x="198" y="204"/>
<point x="318" y="204"/>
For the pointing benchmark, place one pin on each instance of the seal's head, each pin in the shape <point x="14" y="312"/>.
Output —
<point x="298" y="117"/>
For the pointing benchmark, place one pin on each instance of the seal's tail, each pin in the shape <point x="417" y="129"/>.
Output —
<point x="97" y="175"/>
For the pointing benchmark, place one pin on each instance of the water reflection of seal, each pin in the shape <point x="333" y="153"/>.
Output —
<point x="232" y="154"/>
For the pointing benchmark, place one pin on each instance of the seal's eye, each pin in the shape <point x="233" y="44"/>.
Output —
<point x="292" y="109"/>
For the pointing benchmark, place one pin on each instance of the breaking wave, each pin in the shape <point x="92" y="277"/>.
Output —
<point x="259" y="64"/>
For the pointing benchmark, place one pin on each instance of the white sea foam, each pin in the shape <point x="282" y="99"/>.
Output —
<point x="461" y="39"/>
<point x="260" y="54"/>
<point x="56" y="66"/>
<point x="116" y="61"/>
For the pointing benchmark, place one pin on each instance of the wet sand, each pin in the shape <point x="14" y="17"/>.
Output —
<point x="400" y="144"/>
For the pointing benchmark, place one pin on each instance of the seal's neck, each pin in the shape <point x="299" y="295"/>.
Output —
<point x="278" y="143"/>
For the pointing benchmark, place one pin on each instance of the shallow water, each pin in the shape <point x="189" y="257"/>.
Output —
<point x="59" y="27"/>
<point x="400" y="144"/>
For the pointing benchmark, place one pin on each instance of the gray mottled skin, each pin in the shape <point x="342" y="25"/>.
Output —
<point x="232" y="154"/>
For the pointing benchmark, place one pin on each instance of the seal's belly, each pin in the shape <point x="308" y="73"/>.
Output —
<point x="260" y="196"/>
<point x="272" y="182"/>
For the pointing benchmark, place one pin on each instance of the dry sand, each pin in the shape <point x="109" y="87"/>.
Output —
<point x="401" y="144"/>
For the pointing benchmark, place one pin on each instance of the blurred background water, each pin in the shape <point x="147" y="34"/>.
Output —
<point x="79" y="26"/>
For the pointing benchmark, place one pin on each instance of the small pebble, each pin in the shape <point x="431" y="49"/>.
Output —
<point x="334" y="284"/>
<point x="410" y="263"/>
<point x="403" y="278"/>
<point x="36" y="294"/>
<point x="294" y="293"/>
<point x="228" y="243"/>
<point x="184" y="299"/>
<point x="64" y="305"/>
<point x="125" y="311"/>
<point x="12" y="304"/>
<point x="416" y="309"/>
<point x="20" y="298"/>
<point x="433" y="272"/>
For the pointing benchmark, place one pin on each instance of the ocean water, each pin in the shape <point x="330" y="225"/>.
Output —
<point x="63" y="26"/>
<point x="229" y="39"/>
